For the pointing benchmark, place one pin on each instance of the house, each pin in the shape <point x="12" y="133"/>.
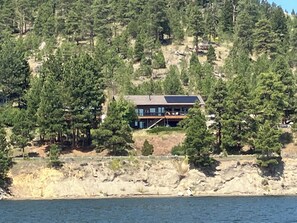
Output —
<point x="162" y="110"/>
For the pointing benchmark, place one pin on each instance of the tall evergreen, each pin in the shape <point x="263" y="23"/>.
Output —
<point x="172" y="84"/>
<point x="216" y="106"/>
<point x="198" y="142"/>
<point x="268" y="145"/>
<point x="50" y="113"/>
<point x="265" y="39"/>
<point x="114" y="134"/>
<point x="196" y="24"/>
<point x="236" y="118"/>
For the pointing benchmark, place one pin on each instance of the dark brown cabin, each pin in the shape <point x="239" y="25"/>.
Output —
<point x="162" y="110"/>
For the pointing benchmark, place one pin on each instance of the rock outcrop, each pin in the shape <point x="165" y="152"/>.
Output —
<point x="136" y="177"/>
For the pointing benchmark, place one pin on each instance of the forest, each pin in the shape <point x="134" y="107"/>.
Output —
<point x="61" y="62"/>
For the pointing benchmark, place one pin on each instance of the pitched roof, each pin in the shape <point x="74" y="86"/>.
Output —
<point x="164" y="99"/>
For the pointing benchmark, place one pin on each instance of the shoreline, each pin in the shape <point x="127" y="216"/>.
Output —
<point x="146" y="196"/>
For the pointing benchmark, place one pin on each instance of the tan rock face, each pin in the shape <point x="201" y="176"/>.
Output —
<point x="131" y="177"/>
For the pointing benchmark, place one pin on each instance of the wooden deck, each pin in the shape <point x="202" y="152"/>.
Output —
<point x="169" y="117"/>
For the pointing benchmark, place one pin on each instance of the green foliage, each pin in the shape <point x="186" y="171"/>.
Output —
<point x="147" y="149"/>
<point x="236" y="118"/>
<point x="21" y="131"/>
<point x="172" y="84"/>
<point x="268" y="98"/>
<point x="178" y="150"/>
<point x="195" y="23"/>
<point x="138" y="49"/>
<point x="14" y="70"/>
<point x="125" y="109"/>
<point x="50" y="112"/>
<point x="54" y="153"/>
<point x="216" y="105"/>
<point x="199" y="141"/>
<point x="159" y="60"/>
<point x="268" y="145"/>
<point x="211" y="55"/>
<point x="265" y="40"/>
<point x="115" y="164"/>
<point x="114" y="134"/>
<point x="5" y="158"/>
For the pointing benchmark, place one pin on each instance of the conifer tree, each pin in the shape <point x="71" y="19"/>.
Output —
<point x="268" y="145"/>
<point x="281" y="68"/>
<point x="5" y="158"/>
<point x="50" y="114"/>
<point x="114" y="134"/>
<point x="199" y="141"/>
<point x="268" y="98"/>
<point x="265" y="39"/>
<point x="22" y="130"/>
<point x="14" y="70"/>
<point x="172" y="84"/>
<point x="236" y="117"/>
<point x="196" y="25"/>
<point x="216" y="106"/>
<point x="211" y="55"/>
<point x="138" y="49"/>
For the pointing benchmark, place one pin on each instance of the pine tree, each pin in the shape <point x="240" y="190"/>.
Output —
<point x="84" y="95"/>
<point x="54" y="153"/>
<point x="196" y="25"/>
<point x="265" y="40"/>
<point x="244" y="31"/>
<point x="50" y="114"/>
<point x="216" y="106"/>
<point x="268" y="145"/>
<point x="236" y="118"/>
<point x="114" y="134"/>
<point x="172" y="84"/>
<point x="5" y="158"/>
<point x="281" y="68"/>
<point x="14" y="70"/>
<point x="195" y="73"/>
<point x="138" y="49"/>
<point x="211" y="55"/>
<point x="268" y="98"/>
<point x="22" y="131"/>
<point x="198" y="142"/>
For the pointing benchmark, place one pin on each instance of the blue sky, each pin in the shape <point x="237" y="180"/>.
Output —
<point x="286" y="4"/>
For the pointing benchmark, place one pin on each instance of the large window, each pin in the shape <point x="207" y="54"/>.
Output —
<point x="152" y="111"/>
<point x="140" y="111"/>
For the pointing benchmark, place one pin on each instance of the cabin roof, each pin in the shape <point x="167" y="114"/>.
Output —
<point x="164" y="99"/>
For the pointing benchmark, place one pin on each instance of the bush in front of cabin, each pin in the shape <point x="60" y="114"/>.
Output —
<point x="147" y="149"/>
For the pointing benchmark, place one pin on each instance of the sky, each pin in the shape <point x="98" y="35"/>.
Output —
<point x="286" y="4"/>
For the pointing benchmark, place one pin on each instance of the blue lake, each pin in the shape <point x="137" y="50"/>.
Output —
<point x="182" y="210"/>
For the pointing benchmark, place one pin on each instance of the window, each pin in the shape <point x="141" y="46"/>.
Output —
<point x="140" y="111"/>
<point x="152" y="111"/>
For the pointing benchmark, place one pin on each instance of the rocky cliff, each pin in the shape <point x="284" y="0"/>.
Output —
<point x="152" y="177"/>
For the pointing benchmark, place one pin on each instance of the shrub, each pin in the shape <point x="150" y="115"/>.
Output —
<point x="147" y="149"/>
<point x="178" y="150"/>
<point x="165" y="129"/>
<point x="159" y="60"/>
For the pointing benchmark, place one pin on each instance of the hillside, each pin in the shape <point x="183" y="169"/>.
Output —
<point x="61" y="63"/>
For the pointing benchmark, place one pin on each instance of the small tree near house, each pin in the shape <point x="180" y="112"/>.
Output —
<point x="54" y="154"/>
<point x="147" y="148"/>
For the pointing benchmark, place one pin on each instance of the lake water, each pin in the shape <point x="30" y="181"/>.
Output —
<point x="182" y="210"/>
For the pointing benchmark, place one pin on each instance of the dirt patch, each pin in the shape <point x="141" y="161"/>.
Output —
<point x="162" y="142"/>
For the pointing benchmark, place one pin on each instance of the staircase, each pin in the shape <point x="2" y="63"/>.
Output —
<point x="156" y="123"/>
